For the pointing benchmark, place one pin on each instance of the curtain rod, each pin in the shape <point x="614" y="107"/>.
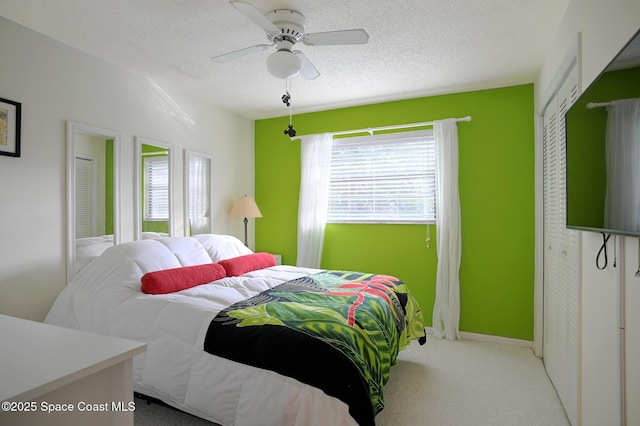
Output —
<point x="164" y="152"/>
<point x="592" y="105"/>
<point x="370" y="130"/>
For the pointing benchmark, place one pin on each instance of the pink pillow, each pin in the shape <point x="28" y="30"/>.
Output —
<point x="247" y="263"/>
<point x="176" y="279"/>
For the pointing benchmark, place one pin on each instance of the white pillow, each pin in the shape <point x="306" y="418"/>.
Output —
<point x="221" y="247"/>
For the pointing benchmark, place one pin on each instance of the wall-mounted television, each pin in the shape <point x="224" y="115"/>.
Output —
<point x="603" y="149"/>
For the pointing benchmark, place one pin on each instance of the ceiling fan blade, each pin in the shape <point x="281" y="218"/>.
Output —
<point x="256" y="16"/>
<point x="240" y="53"/>
<point x="307" y="70"/>
<point x="336" y="38"/>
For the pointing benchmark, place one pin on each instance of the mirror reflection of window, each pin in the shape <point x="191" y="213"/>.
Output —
<point x="156" y="188"/>
<point x="154" y="197"/>
<point x="198" y="171"/>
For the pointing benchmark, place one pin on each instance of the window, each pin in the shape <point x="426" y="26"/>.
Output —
<point x="156" y="188"/>
<point x="386" y="178"/>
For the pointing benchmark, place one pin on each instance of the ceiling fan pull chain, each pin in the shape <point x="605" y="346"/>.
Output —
<point x="287" y="87"/>
<point x="286" y="98"/>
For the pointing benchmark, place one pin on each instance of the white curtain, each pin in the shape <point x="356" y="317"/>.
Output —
<point x="622" y="207"/>
<point x="199" y="214"/>
<point x="446" y="310"/>
<point x="314" y="198"/>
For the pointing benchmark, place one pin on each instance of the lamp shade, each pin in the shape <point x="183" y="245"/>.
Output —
<point x="283" y="64"/>
<point x="245" y="206"/>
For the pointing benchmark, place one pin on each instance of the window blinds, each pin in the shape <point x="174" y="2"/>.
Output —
<point x="156" y="188"/>
<point x="383" y="179"/>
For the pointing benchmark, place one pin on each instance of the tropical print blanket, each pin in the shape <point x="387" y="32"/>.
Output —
<point x="335" y="330"/>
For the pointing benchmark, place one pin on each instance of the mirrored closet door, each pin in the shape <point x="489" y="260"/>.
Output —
<point x="154" y="194"/>
<point x="93" y="193"/>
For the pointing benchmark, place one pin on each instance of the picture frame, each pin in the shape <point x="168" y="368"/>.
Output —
<point x="10" y="116"/>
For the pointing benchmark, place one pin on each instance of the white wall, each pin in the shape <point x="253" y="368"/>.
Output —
<point x="56" y="83"/>
<point x="604" y="27"/>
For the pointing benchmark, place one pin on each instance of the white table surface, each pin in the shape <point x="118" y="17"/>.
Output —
<point x="36" y="358"/>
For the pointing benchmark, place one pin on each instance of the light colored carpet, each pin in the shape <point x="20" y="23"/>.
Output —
<point x="469" y="383"/>
<point x="445" y="384"/>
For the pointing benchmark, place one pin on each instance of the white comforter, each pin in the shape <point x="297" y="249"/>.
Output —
<point x="105" y="297"/>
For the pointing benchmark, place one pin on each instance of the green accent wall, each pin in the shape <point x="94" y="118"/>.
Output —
<point x="497" y="196"/>
<point x="108" y="191"/>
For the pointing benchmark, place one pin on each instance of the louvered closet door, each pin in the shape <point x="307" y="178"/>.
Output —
<point x="561" y="342"/>
<point x="84" y="197"/>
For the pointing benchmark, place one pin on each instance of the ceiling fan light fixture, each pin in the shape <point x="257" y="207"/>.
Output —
<point x="285" y="28"/>
<point x="283" y="64"/>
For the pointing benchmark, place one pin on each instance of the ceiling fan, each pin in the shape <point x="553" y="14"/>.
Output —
<point x="284" y="28"/>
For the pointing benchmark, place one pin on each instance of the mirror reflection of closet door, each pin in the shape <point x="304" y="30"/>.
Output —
<point x="93" y="193"/>
<point x="198" y="193"/>
<point x="87" y="196"/>
<point x="154" y="194"/>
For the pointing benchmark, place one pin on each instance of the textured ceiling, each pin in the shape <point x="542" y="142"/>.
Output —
<point x="416" y="47"/>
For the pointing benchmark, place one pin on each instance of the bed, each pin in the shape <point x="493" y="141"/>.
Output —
<point x="90" y="248"/>
<point x="238" y="340"/>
